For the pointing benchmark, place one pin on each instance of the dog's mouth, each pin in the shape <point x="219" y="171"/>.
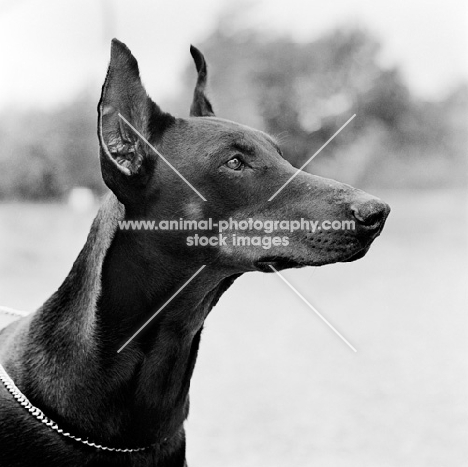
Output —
<point x="277" y="262"/>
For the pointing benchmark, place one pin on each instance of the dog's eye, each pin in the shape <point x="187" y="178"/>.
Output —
<point x="235" y="163"/>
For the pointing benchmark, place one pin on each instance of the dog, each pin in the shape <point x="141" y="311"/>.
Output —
<point x="71" y="395"/>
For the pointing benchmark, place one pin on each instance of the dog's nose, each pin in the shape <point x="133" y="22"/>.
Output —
<point x="371" y="213"/>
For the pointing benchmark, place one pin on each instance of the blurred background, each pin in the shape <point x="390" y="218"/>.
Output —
<point x="273" y="386"/>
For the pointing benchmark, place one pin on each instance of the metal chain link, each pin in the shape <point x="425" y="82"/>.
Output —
<point x="37" y="413"/>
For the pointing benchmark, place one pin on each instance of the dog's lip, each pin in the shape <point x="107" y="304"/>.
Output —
<point x="277" y="262"/>
<point x="266" y="263"/>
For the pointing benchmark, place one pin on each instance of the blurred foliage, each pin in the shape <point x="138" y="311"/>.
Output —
<point x="45" y="154"/>
<point x="299" y="92"/>
<point x="303" y="92"/>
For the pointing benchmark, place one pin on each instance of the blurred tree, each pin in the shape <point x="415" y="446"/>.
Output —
<point x="299" y="92"/>
<point x="45" y="154"/>
<point x="303" y="92"/>
<point x="73" y="140"/>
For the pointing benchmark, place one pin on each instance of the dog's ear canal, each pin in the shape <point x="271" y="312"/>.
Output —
<point x="201" y="106"/>
<point x="127" y="116"/>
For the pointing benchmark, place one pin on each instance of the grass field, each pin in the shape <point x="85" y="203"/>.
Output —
<point x="274" y="387"/>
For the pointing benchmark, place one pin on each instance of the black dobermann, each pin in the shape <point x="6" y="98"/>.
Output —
<point x="64" y="357"/>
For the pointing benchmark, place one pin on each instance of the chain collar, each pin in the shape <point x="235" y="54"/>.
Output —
<point x="39" y="415"/>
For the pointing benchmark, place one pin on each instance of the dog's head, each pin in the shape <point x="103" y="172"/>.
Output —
<point x="186" y="170"/>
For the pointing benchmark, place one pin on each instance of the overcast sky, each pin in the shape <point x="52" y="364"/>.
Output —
<point x="51" y="48"/>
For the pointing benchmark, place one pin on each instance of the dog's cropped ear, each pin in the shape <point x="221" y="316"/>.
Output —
<point x="201" y="106"/>
<point x="125" y="115"/>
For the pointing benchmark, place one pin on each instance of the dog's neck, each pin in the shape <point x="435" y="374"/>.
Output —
<point x="140" y="395"/>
